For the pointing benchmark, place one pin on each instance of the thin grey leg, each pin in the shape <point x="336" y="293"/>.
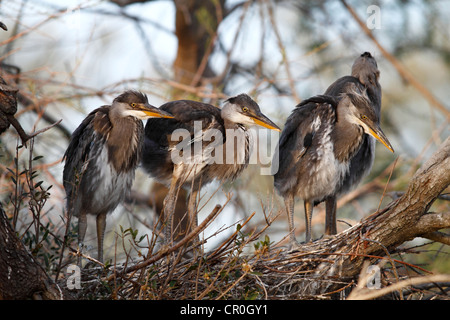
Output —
<point x="192" y="213"/>
<point x="101" y="226"/>
<point x="330" y="216"/>
<point x="82" y="225"/>
<point x="289" y="202"/>
<point x="308" y="218"/>
<point x="169" y="209"/>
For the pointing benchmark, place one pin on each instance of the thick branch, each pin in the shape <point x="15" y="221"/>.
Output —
<point x="437" y="237"/>
<point x="315" y="268"/>
<point x="432" y="222"/>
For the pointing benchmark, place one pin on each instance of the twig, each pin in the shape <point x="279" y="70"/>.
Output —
<point x="372" y="294"/>
<point x="23" y="135"/>
<point x="227" y="242"/>
<point x="387" y="183"/>
<point x="283" y="51"/>
<point x="390" y="260"/>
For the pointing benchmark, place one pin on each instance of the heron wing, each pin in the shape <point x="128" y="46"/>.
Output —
<point x="78" y="152"/>
<point x="188" y="115"/>
<point x="163" y="141"/>
<point x="300" y="133"/>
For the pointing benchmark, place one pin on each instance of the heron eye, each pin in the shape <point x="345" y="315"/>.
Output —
<point x="363" y="117"/>
<point x="133" y="104"/>
<point x="245" y="109"/>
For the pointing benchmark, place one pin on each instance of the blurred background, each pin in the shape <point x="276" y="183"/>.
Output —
<point x="70" y="57"/>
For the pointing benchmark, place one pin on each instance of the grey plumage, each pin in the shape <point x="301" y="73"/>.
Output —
<point x="101" y="159"/>
<point x="209" y="127"/>
<point x="157" y="158"/>
<point x="316" y="146"/>
<point x="364" y="75"/>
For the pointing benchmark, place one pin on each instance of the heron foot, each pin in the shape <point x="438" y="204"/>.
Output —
<point x="328" y="236"/>
<point x="79" y="253"/>
<point x="294" y="245"/>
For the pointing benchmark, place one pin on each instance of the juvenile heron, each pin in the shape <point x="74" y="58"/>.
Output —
<point x="216" y="145"/>
<point x="316" y="146"/>
<point x="101" y="159"/>
<point x="364" y="75"/>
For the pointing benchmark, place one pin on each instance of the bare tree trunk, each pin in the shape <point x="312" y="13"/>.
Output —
<point x="195" y="27"/>
<point x="21" y="277"/>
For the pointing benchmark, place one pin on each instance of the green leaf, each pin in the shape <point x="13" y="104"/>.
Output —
<point x="38" y="184"/>
<point x="45" y="235"/>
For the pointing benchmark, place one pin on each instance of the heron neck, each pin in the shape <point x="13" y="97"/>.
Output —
<point x="347" y="138"/>
<point x="231" y="125"/>
<point x="124" y="142"/>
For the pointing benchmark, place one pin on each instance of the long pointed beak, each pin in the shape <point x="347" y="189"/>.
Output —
<point x="155" y="112"/>
<point x="378" y="134"/>
<point x="262" y="120"/>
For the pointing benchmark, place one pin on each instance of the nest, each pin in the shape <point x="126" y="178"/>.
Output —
<point x="246" y="267"/>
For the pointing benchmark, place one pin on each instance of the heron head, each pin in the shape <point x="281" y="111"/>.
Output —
<point x="244" y="110"/>
<point x="361" y="112"/>
<point x="135" y="104"/>
<point x="365" y="68"/>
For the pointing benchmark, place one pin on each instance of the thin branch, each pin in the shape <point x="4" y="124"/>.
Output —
<point x="23" y="135"/>
<point x="372" y="294"/>
<point x="283" y="51"/>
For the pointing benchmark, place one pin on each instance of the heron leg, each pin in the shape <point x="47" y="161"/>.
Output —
<point x="308" y="218"/>
<point x="192" y="212"/>
<point x="101" y="225"/>
<point x="169" y="209"/>
<point x="289" y="202"/>
<point x="82" y="225"/>
<point x="330" y="216"/>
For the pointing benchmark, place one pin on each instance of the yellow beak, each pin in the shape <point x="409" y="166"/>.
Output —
<point x="378" y="134"/>
<point x="265" y="122"/>
<point x="155" y="112"/>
